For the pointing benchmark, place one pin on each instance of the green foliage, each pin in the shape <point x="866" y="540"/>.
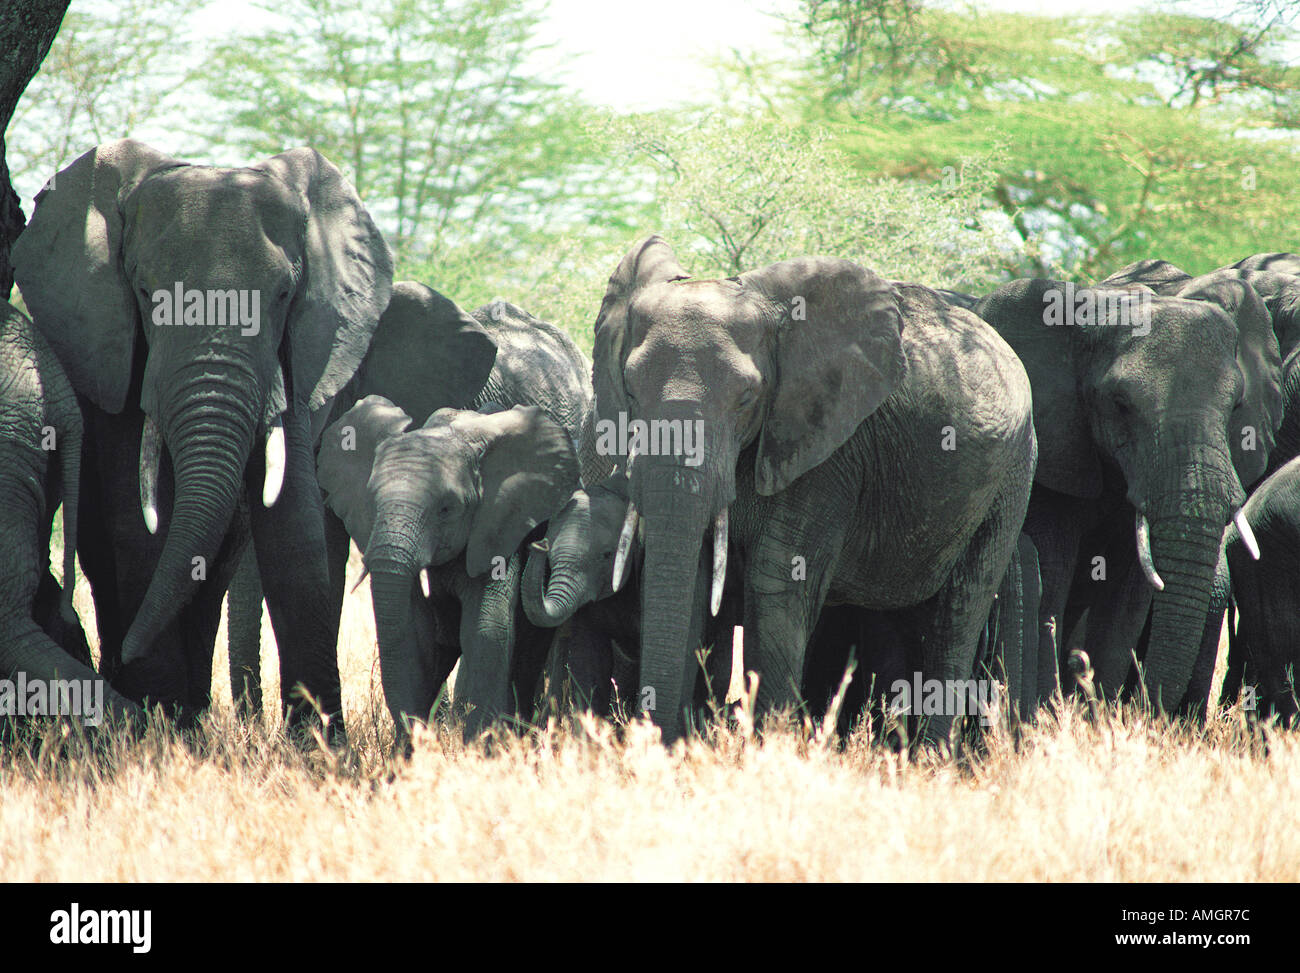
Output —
<point x="435" y="110"/>
<point x="1119" y="139"/>
<point x="114" y="68"/>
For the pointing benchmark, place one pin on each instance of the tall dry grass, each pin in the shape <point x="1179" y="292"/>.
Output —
<point x="1129" y="798"/>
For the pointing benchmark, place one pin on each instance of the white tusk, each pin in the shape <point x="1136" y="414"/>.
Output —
<point x="150" y="455"/>
<point x="1247" y="535"/>
<point x="365" y="573"/>
<point x="1144" y="553"/>
<point x="424" y="581"/>
<point x="274" y="465"/>
<point x="719" y="560"/>
<point x="625" y="545"/>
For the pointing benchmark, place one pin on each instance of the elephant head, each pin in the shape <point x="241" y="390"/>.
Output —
<point x="572" y="566"/>
<point x="1148" y="393"/>
<point x="792" y="358"/>
<point x="226" y="304"/>
<point x="465" y="484"/>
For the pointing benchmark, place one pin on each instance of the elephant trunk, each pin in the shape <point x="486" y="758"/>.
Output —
<point x="674" y="533"/>
<point x="1185" y="533"/>
<point x="209" y="435"/>
<point x="391" y="559"/>
<point x="551" y="601"/>
<point x="25" y="648"/>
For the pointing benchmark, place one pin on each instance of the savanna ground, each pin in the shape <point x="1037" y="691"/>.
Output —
<point x="1122" y="798"/>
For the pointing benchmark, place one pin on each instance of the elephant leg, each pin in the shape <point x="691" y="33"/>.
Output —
<point x="1116" y="619"/>
<point x="581" y="665"/>
<point x="781" y="612"/>
<point x="948" y="625"/>
<point x="1055" y="527"/>
<point x="45" y="611"/>
<point x="244" y="632"/>
<point x="289" y="539"/>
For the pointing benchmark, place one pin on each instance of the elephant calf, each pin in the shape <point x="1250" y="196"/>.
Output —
<point x="1264" y="650"/>
<point x="441" y="513"/>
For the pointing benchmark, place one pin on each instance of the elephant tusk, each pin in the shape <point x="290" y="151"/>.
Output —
<point x="625" y="545"/>
<point x="365" y="573"/>
<point x="424" y="581"/>
<point x="1144" y="553"/>
<point x="719" y="560"/>
<point x="274" y="465"/>
<point x="150" y="454"/>
<point x="1247" y="535"/>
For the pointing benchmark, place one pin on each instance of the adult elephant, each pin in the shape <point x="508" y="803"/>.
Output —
<point x="203" y="314"/>
<point x="441" y="513"/>
<point x="40" y="459"/>
<point x="429" y="354"/>
<point x="1135" y="399"/>
<point x="862" y="443"/>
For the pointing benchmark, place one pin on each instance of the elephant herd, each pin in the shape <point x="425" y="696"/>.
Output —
<point x="878" y="482"/>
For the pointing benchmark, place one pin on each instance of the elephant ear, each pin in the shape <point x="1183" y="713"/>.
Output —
<point x="650" y="260"/>
<point x="1067" y="457"/>
<point x="528" y="471"/>
<point x="68" y="264"/>
<point x="1159" y="275"/>
<point x="426" y="354"/>
<point x="346" y="457"/>
<point x="1260" y="362"/>
<point x="1281" y="295"/>
<point x="839" y="354"/>
<point x="347" y="277"/>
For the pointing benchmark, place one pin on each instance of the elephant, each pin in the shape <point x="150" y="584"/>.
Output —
<point x="1137" y="400"/>
<point x="40" y="458"/>
<point x="855" y="442"/>
<point x="441" y="513"/>
<point x="568" y="581"/>
<point x="203" y="315"/>
<point x="427" y="354"/>
<point x="1264" y="648"/>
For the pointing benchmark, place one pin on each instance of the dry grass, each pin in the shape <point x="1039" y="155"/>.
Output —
<point x="1130" y="799"/>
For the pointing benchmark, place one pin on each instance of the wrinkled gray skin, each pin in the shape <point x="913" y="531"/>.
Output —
<point x="826" y="396"/>
<point x="568" y="581"/>
<point x="1271" y="277"/>
<point x="458" y="497"/>
<point x="39" y="631"/>
<point x="124" y="223"/>
<point x="1264" y="649"/>
<point x="426" y="354"/>
<point x="1133" y="423"/>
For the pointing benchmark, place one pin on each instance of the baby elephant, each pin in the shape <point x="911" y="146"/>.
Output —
<point x="440" y="513"/>
<point x="569" y="583"/>
<point x="1264" y="650"/>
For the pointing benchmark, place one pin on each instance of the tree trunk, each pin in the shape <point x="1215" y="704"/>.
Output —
<point x="27" y="29"/>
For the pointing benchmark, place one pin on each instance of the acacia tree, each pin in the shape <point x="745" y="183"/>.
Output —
<point x="116" y="66"/>
<point x="27" y="28"/>
<point x="436" y="109"/>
